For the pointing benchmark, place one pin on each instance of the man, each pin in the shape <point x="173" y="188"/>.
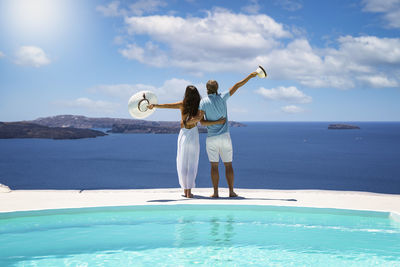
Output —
<point x="218" y="142"/>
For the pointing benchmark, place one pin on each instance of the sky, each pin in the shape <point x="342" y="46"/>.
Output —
<point x="326" y="60"/>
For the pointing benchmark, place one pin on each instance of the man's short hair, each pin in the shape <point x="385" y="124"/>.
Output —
<point x="212" y="87"/>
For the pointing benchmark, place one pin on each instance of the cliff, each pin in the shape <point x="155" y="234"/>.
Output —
<point x="342" y="127"/>
<point x="82" y="122"/>
<point x="75" y="127"/>
<point x="77" y="121"/>
<point x="31" y="130"/>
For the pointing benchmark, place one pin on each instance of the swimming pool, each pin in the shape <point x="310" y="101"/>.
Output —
<point x="211" y="235"/>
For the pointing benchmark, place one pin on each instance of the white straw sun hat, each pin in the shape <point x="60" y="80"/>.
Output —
<point x="261" y="72"/>
<point x="138" y="104"/>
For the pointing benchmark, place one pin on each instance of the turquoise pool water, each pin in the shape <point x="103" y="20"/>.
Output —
<point x="210" y="235"/>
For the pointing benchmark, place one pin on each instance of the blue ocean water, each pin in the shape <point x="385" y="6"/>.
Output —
<point x="270" y="155"/>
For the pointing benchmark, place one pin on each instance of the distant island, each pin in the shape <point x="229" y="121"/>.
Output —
<point x="32" y="130"/>
<point x="75" y="126"/>
<point x="342" y="127"/>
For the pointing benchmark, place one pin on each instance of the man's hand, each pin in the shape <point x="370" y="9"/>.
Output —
<point x="197" y="118"/>
<point x="253" y="74"/>
<point x="151" y="106"/>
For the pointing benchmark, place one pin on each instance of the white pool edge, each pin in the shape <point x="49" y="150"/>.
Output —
<point x="31" y="200"/>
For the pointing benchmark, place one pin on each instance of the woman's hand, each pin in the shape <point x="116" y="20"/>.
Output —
<point x="151" y="106"/>
<point x="221" y="121"/>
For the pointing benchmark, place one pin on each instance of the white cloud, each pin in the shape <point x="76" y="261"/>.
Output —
<point x="290" y="5"/>
<point x="299" y="61"/>
<point x="379" y="5"/>
<point x="119" y="40"/>
<point x="253" y="7"/>
<point x="389" y="8"/>
<point x="31" y="56"/>
<point x="91" y="105"/>
<point x="370" y="49"/>
<point x="286" y="94"/>
<point x="150" y="54"/>
<point x="289" y="94"/>
<point x="337" y="68"/>
<point x="209" y="44"/>
<point x="174" y="89"/>
<point x="2" y="54"/>
<point x="171" y="90"/>
<point x="146" y="6"/>
<point x="378" y="81"/>
<point x="204" y="43"/>
<point x="296" y="61"/>
<point x="141" y="7"/>
<point x="111" y="10"/>
<point x="132" y="51"/>
<point x="292" y="109"/>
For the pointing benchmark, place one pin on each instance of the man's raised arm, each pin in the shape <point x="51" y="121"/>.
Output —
<point x="241" y="83"/>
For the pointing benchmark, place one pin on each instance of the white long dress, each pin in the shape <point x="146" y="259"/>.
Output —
<point x="187" y="158"/>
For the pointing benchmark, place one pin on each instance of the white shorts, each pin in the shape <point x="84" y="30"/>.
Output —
<point x="219" y="145"/>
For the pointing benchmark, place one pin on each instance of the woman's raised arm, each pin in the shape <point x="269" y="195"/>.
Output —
<point x="176" y="105"/>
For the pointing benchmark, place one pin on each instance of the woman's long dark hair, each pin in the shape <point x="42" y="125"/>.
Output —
<point x="191" y="101"/>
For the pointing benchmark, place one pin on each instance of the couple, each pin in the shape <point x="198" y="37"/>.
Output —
<point x="210" y="111"/>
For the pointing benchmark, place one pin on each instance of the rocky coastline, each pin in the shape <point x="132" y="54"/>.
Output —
<point x="134" y="128"/>
<point x="342" y="127"/>
<point x="117" y="125"/>
<point x="75" y="127"/>
<point x="31" y="130"/>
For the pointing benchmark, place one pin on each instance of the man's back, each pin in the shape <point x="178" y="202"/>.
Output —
<point x="218" y="142"/>
<point x="214" y="107"/>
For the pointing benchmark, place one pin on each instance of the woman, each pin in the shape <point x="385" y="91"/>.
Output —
<point x="187" y="158"/>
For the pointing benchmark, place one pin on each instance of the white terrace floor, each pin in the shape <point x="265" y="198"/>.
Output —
<point x="22" y="200"/>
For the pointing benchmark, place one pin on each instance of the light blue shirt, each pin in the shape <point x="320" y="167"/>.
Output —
<point x="214" y="107"/>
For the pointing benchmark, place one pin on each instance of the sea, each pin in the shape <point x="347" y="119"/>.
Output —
<point x="267" y="155"/>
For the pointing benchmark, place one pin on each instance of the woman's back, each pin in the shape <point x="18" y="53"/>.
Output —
<point x="184" y="119"/>
<point x="190" y="106"/>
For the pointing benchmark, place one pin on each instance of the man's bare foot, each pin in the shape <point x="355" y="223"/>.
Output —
<point x="233" y="194"/>
<point x="214" y="196"/>
<point x="188" y="193"/>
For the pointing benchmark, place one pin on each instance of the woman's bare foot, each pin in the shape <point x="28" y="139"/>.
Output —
<point x="233" y="194"/>
<point x="214" y="196"/>
<point x="189" y="193"/>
